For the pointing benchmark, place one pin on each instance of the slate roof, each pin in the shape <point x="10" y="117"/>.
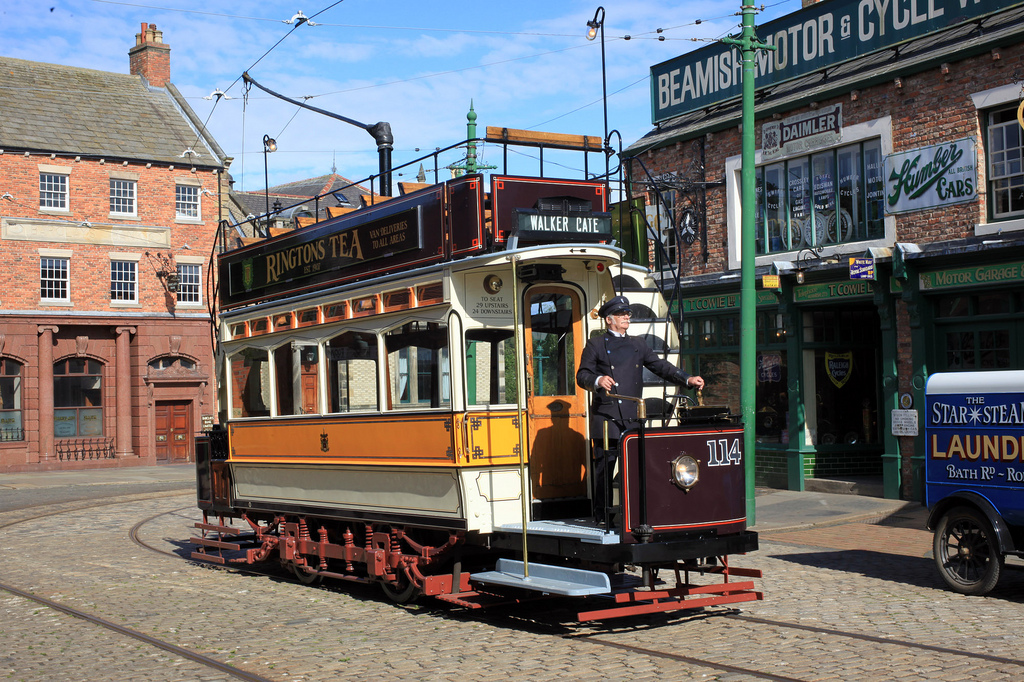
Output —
<point x="319" y="185"/>
<point x="299" y="191"/>
<point x="69" y="110"/>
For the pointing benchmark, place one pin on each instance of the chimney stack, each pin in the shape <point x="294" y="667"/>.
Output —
<point x="150" y="58"/>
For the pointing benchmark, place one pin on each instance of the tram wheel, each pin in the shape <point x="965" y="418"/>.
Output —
<point x="966" y="552"/>
<point x="304" y="577"/>
<point x="401" y="591"/>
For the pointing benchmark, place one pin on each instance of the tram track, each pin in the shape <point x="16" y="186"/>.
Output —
<point x="182" y="652"/>
<point x="691" y="660"/>
<point x="169" y="647"/>
<point x="598" y="638"/>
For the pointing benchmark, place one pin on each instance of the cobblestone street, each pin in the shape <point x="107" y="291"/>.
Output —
<point x="831" y="594"/>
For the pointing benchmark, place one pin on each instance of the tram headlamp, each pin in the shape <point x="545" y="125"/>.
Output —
<point x="685" y="471"/>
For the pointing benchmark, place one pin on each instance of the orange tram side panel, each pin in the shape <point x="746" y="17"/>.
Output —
<point x="446" y="439"/>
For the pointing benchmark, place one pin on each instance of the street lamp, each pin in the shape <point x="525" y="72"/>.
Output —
<point x="269" y="145"/>
<point x="594" y="25"/>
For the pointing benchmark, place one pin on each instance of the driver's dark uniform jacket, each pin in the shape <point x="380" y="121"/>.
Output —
<point x="623" y="358"/>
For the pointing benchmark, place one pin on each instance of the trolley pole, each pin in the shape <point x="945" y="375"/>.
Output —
<point x="749" y="45"/>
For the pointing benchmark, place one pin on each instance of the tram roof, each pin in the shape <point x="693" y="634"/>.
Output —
<point x="377" y="284"/>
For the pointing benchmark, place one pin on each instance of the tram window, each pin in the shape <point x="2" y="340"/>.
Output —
<point x="307" y="317"/>
<point x="554" y="360"/>
<point x="642" y="312"/>
<point x="490" y="367"/>
<point x="336" y="311"/>
<point x="655" y="343"/>
<point x="419" y="370"/>
<point x="296" y="375"/>
<point x="250" y="383"/>
<point x="430" y="293"/>
<point x="352" y="372"/>
<point x="625" y="281"/>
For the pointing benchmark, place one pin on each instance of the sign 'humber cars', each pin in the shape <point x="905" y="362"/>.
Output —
<point x="939" y="175"/>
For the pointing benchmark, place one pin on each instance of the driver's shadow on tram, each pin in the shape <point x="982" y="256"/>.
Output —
<point x="558" y="454"/>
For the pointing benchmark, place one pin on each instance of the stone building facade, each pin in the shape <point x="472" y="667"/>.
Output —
<point x="889" y="202"/>
<point x="110" y="199"/>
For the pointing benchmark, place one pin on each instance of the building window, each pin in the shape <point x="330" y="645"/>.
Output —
<point x="53" y="190"/>
<point x="980" y="331"/>
<point x="833" y="197"/>
<point x="122" y="197"/>
<point x="77" y="398"/>
<point x="709" y="347"/>
<point x="53" y="279"/>
<point x="1005" y="169"/>
<point x="189" y="277"/>
<point x="123" y="281"/>
<point x="10" y="401"/>
<point x="186" y="201"/>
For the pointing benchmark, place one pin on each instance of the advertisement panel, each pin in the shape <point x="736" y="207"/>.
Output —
<point x="974" y="431"/>
<point x="940" y="175"/>
<point x="819" y="36"/>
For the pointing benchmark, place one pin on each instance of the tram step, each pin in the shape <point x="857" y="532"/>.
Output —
<point x="572" y="582"/>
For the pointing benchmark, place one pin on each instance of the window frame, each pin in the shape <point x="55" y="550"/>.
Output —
<point x="991" y="178"/>
<point x="61" y="283"/>
<point x="63" y="194"/>
<point x="185" y="285"/>
<point x="88" y="365"/>
<point x="129" y="285"/>
<point x="12" y="425"/>
<point x="130" y="197"/>
<point x="179" y="202"/>
<point x="879" y="128"/>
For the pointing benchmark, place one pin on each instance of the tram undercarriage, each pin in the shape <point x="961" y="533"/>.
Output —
<point x="568" y="558"/>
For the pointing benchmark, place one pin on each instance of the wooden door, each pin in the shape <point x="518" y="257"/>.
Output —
<point x="309" y="380"/>
<point x="174" y="438"/>
<point x="556" y="407"/>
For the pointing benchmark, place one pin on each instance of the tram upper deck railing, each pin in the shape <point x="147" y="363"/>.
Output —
<point x="468" y="215"/>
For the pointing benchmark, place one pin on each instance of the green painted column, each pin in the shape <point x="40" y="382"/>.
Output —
<point x="795" y="476"/>
<point x="749" y="45"/>
<point x="891" y="475"/>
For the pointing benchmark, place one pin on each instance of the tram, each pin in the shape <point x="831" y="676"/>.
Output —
<point x="399" y="407"/>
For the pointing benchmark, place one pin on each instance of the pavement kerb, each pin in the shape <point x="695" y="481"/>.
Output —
<point x="868" y="516"/>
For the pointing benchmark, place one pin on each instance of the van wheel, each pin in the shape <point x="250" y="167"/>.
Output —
<point x="966" y="552"/>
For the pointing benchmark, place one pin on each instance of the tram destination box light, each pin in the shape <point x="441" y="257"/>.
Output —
<point x="541" y="272"/>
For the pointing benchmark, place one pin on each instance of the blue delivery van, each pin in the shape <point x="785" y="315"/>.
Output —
<point x="974" y="474"/>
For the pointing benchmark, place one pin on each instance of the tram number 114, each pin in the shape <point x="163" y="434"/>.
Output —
<point x="724" y="452"/>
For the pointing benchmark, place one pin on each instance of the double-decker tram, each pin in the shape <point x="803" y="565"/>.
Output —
<point x="399" y="406"/>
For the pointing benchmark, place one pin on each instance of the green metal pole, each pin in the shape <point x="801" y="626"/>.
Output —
<point x="749" y="45"/>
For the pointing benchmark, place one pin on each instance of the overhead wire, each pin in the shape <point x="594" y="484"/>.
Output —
<point x="657" y="34"/>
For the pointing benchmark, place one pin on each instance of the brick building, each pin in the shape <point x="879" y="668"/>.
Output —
<point x="886" y="135"/>
<point x="109" y="205"/>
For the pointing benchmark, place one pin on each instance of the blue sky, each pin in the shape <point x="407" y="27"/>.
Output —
<point x="415" y="64"/>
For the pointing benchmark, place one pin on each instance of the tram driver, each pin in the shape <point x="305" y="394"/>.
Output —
<point x="613" y="363"/>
